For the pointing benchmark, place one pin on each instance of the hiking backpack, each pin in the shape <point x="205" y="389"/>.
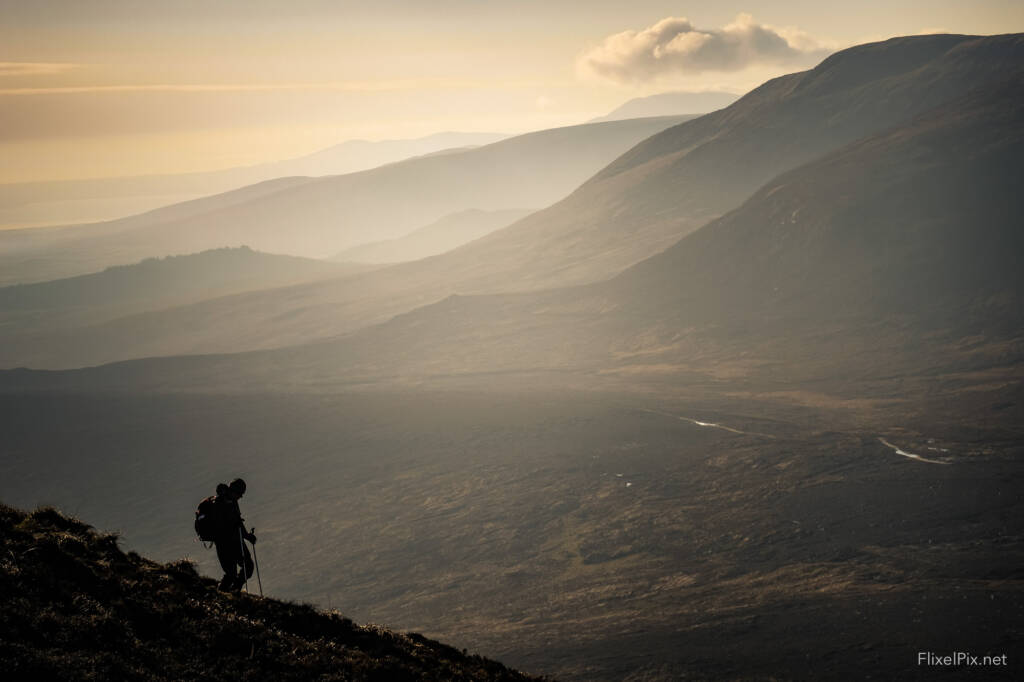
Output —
<point x="207" y="519"/>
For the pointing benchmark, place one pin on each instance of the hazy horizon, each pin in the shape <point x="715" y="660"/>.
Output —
<point x="156" y="90"/>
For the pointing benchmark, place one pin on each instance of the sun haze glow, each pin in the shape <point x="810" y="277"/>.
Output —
<point x="117" y="88"/>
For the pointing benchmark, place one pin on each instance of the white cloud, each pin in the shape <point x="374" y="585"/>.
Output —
<point x="675" y="46"/>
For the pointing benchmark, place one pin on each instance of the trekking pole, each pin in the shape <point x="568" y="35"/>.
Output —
<point x="241" y="558"/>
<point x="257" y="562"/>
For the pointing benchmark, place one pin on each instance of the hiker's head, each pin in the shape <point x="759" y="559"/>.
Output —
<point x="237" y="487"/>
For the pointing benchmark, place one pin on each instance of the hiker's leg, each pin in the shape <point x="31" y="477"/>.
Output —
<point x="227" y="554"/>
<point x="243" y="567"/>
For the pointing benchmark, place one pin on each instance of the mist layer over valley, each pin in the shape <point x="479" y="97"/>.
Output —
<point x="319" y="216"/>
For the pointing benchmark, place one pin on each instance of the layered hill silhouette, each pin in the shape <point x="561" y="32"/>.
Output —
<point x="318" y="217"/>
<point x="44" y="254"/>
<point x="898" y="245"/>
<point x="30" y="309"/>
<point x="644" y="202"/>
<point x="75" y="606"/>
<point x="78" y="201"/>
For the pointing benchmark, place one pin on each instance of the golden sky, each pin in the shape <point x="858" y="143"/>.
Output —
<point x="97" y="88"/>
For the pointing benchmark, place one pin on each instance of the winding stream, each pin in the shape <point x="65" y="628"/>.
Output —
<point x="710" y="424"/>
<point x="910" y="455"/>
<point x="896" y="449"/>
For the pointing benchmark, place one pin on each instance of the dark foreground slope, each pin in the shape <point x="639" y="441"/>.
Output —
<point x="588" y="536"/>
<point x="75" y="607"/>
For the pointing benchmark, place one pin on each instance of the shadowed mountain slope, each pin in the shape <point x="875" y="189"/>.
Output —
<point x="793" y="119"/>
<point x="76" y="607"/>
<point x="921" y="220"/>
<point x="663" y="189"/>
<point x="898" y="247"/>
<point x="318" y="217"/>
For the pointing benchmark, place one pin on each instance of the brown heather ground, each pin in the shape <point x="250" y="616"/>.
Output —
<point x="75" y="607"/>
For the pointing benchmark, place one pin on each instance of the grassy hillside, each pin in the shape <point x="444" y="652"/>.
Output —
<point x="43" y="321"/>
<point x="76" y="607"/>
<point x="153" y="284"/>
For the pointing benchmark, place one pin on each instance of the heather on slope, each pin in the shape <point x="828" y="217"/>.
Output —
<point x="75" y="606"/>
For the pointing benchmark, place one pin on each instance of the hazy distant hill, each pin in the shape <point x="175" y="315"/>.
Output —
<point x="318" y="217"/>
<point x="669" y="103"/>
<point x="75" y="606"/>
<point x="662" y="189"/>
<point x="897" y="253"/>
<point x="912" y="231"/>
<point x="78" y="201"/>
<point x="641" y="204"/>
<point x="42" y="254"/>
<point x="442" y="235"/>
<point x="150" y="285"/>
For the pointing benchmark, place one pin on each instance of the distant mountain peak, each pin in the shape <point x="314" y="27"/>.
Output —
<point x="670" y="104"/>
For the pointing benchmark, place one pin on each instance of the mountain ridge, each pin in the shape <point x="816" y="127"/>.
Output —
<point x="643" y="203"/>
<point x="820" y="249"/>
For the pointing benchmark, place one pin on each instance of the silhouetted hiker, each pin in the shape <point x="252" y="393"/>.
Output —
<point x="228" y="537"/>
